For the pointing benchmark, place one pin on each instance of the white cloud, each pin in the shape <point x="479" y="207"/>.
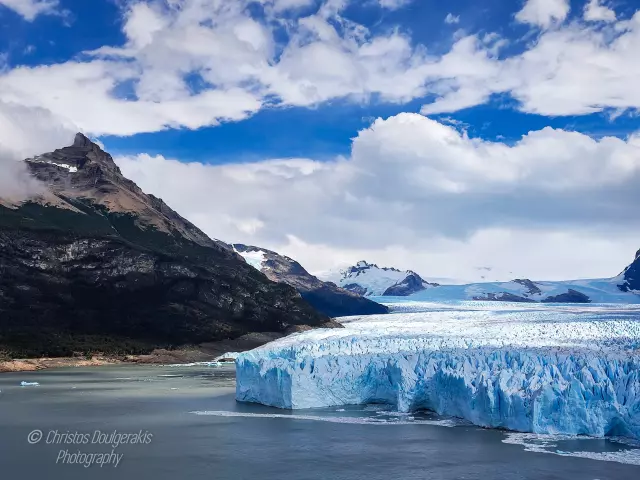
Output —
<point x="413" y="187"/>
<point x="452" y="19"/>
<point x="573" y="70"/>
<point x="30" y="9"/>
<point x="202" y="62"/>
<point x="394" y="4"/>
<point x="543" y="13"/>
<point x="25" y="132"/>
<point x="79" y="93"/>
<point x="594" y="11"/>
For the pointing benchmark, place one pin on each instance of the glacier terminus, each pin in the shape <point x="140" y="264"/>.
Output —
<point x="560" y="369"/>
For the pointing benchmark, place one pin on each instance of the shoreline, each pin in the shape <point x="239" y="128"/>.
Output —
<point x="205" y="352"/>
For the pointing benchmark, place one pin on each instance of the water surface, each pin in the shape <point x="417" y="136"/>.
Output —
<point x="225" y="440"/>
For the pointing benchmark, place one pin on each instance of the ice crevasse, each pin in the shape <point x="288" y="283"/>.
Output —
<point x="550" y="370"/>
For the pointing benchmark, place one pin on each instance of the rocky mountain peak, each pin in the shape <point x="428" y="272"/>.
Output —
<point x="84" y="172"/>
<point x="81" y="141"/>
<point x="81" y="158"/>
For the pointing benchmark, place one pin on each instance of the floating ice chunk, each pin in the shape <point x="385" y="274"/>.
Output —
<point x="545" y="370"/>
<point x="29" y="384"/>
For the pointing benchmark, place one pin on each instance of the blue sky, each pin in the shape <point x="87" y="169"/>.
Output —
<point x="400" y="131"/>
<point x="320" y="132"/>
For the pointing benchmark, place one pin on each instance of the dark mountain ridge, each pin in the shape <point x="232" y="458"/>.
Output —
<point x="95" y="264"/>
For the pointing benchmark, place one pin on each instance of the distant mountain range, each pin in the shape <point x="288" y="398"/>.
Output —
<point x="95" y="264"/>
<point x="326" y="297"/>
<point x="372" y="281"/>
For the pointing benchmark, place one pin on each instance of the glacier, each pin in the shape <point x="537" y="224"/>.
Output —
<point x="561" y="369"/>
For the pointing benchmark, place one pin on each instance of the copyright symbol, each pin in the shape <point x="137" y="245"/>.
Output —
<point x="34" y="437"/>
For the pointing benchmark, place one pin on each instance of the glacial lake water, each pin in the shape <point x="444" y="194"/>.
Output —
<point x="186" y="425"/>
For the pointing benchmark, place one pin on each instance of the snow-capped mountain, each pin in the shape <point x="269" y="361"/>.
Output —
<point x="600" y="290"/>
<point x="367" y="279"/>
<point x="326" y="297"/>
<point x="372" y="281"/>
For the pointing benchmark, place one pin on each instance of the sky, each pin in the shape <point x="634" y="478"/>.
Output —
<point x="459" y="139"/>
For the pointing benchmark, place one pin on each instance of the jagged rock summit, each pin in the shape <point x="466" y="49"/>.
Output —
<point x="85" y="171"/>
<point x="96" y="265"/>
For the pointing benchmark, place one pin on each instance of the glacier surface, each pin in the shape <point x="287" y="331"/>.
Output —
<point x="530" y="368"/>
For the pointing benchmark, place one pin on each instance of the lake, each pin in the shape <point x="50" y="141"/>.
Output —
<point x="182" y="422"/>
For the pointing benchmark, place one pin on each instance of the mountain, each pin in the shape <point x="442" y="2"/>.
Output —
<point x="368" y="279"/>
<point x="605" y="290"/>
<point x="629" y="279"/>
<point x="623" y="288"/>
<point x="371" y="280"/>
<point x="326" y="297"/>
<point x="94" y="263"/>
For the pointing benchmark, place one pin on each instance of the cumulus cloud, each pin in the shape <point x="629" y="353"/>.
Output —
<point x="394" y="4"/>
<point x="452" y="19"/>
<point x="202" y="62"/>
<point x="573" y="70"/>
<point x="594" y="11"/>
<point x="413" y="186"/>
<point x="543" y="13"/>
<point x="30" y="9"/>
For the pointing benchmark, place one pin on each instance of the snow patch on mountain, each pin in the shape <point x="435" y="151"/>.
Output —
<point x="253" y="258"/>
<point x="524" y="367"/>
<point x="70" y="168"/>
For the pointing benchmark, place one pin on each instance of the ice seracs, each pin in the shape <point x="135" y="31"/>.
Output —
<point x="530" y="368"/>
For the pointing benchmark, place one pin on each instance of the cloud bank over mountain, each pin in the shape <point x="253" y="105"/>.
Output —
<point x="414" y="185"/>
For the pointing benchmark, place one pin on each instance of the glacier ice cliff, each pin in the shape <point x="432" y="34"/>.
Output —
<point x="558" y="370"/>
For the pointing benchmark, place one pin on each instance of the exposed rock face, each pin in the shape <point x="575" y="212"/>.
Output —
<point x="96" y="264"/>
<point x="503" y="297"/>
<point x="572" y="296"/>
<point x="532" y="293"/>
<point x="324" y="296"/>
<point x="631" y="276"/>
<point x="412" y="283"/>
<point x="355" y="288"/>
<point x="531" y="288"/>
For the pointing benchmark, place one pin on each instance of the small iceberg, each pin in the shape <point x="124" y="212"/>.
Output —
<point x="29" y="384"/>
